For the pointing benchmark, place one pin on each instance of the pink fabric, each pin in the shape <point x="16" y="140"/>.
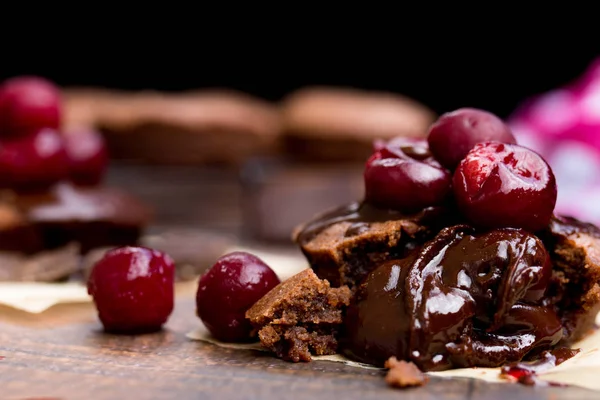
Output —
<point x="563" y="125"/>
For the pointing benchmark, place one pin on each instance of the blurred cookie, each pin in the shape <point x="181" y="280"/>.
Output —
<point x="84" y="107"/>
<point x="321" y="123"/>
<point x="195" y="127"/>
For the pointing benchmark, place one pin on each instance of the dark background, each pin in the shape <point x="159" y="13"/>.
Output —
<point x="446" y="72"/>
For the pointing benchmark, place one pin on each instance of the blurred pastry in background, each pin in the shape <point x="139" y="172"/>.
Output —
<point x="83" y="107"/>
<point x="296" y="157"/>
<point x="328" y="133"/>
<point x="193" y="127"/>
<point x="54" y="207"/>
<point x="563" y="125"/>
<point x="44" y="236"/>
<point x="341" y="124"/>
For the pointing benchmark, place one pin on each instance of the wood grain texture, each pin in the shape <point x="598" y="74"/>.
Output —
<point x="63" y="354"/>
<point x="76" y="360"/>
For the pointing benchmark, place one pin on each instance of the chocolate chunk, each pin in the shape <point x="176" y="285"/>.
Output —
<point x="300" y="316"/>
<point x="402" y="374"/>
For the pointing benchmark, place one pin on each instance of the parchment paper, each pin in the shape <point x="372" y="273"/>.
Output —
<point x="582" y="370"/>
<point x="36" y="298"/>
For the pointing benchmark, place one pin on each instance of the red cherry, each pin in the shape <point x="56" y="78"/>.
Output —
<point x="133" y="289"/>
<point x="28" y="104"/>
<point x="88" y="157"/>
<point x="228" y="290"/>
<point x="452" y="136"/>
<point x="404" y="176"/>
<point x="505" y="185"/>
<point x="33" y="162"/>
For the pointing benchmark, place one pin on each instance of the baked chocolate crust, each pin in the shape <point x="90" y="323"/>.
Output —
<point x="345" y="244"/>
<point x="575" y="250"/>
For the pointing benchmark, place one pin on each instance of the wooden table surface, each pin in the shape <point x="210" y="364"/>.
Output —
<point x="63" y="354"/>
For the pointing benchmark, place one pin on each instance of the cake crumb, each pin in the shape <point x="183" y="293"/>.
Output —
<point x="300" y="317"/>
<point x="402" y="374"/>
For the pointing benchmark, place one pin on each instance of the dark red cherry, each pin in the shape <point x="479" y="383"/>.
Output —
<point x="133" y="289"/>
<point x="228" y="290"/>
<point x="33" y="162"/>
<point x="28" y="104"/>
<point x="455" y="133"/>
<point x="88" y="156"/>
<point x="505" y="185"/>
<point x="403" y="175"/>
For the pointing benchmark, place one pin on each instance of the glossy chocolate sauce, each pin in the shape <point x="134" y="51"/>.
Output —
<point x="464" y="299"/>
<point x="362" y="214"/>
<point x="526" y="372"/>
<point x="566" y="226"/>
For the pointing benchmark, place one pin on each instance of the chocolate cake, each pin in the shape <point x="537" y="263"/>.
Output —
<point x="564" y="314"/>
<point x="44" y="235"/>
<point x="300" y="317"/>
<point x="575" y="250"/>
<point x="455" y="258"/>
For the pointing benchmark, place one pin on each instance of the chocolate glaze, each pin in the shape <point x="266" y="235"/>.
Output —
<point x="93" y="217"/>
<point x="361" y="214"/>
<point x="566" y="226"/>
<point x="463" y="299"/>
